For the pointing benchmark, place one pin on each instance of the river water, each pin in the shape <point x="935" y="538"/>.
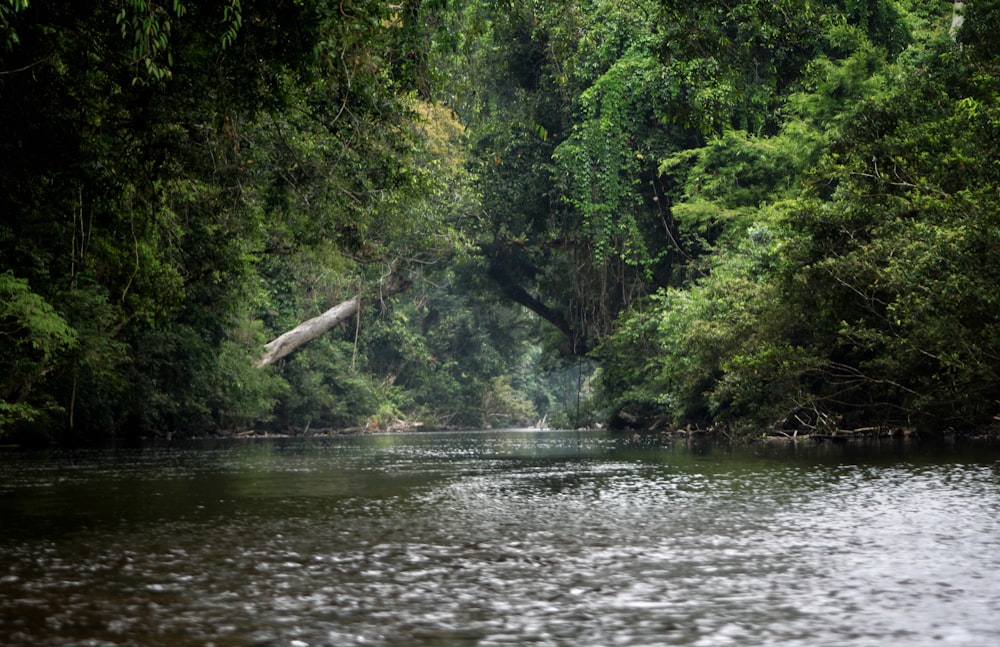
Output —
<point x="500" y="538"/>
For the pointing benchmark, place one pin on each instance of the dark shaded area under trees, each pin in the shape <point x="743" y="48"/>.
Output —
<point x="759" y="216"/>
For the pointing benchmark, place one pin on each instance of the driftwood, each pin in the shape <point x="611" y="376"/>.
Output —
<point x="305" y="332"/>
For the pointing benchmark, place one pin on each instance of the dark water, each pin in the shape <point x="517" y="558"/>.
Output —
<point x="500" y="538"/>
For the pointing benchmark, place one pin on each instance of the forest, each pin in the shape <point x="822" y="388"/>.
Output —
<point x="751" y="216"/>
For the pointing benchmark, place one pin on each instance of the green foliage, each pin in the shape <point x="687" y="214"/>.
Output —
<point x="33" y="337"/>
<point x="503" y="405"/>
<point x="604" y="158"/>
<point x="148" y="26"/>
<point x="918" y="314"/>
<point x="8" y="17"/>
<point x="454" y="359"/>
<point x="845" y="285"/>
<point x="242" y="394"/>
<point x="737" y="59"/>
<point x="323" y="392"/>
<point x="573" y="221"/>
<point x="685" y="344"/>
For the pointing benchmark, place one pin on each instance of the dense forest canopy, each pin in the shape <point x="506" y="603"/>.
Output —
<point x="758" y="215"/>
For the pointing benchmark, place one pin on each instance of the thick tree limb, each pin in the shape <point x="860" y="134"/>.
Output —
<point x="517" y="293"/>
<point x="305" y="332"/>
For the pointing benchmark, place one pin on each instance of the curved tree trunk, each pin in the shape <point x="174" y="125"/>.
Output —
<point x="305" y="332"/>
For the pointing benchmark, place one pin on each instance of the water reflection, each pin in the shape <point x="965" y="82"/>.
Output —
<point x="499" y="538"/>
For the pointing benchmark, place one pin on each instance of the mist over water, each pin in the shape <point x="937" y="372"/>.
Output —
<point x="500" y="538"/>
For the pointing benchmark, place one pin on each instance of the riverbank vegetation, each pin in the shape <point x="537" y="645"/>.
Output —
<point x="760" y="215"/>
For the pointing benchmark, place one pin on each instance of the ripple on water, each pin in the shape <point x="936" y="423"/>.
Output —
<point x="473" y="547"/>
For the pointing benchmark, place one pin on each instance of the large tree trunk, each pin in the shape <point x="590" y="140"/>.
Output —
<point x="309" y="330"/>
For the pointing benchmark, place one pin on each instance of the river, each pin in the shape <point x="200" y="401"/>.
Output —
<point x="500" y="538"/>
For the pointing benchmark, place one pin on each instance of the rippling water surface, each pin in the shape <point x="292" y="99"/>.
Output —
<point x="500" y="538"/>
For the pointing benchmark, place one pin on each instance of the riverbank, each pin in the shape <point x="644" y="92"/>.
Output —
<point x="715" y="434"/>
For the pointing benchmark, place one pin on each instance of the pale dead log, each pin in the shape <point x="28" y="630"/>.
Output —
<point x="957" y="19"/>
<point x="305" y="332"/>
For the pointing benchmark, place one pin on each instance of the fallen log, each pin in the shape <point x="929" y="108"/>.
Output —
<point x="305" y="332"/>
